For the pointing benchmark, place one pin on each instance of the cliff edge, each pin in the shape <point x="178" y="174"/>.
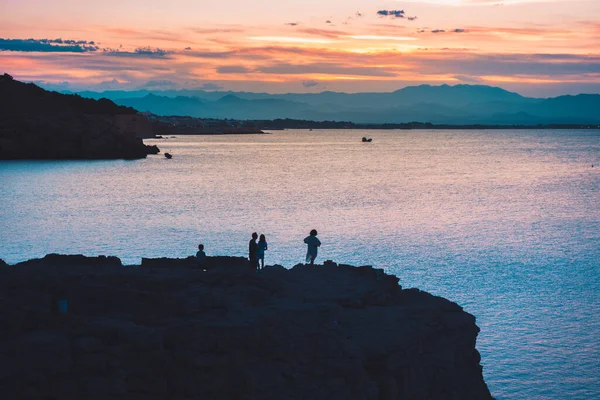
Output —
<point x="166" y="330"/>
<point x="38" y="124"/>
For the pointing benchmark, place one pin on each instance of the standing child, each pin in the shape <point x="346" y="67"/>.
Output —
<point x="201" y="256"/>
<point x="313" y="244"/>
<point x="262" y="246"/>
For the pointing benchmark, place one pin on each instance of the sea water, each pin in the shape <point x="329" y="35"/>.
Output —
<point x="504" y="222"/>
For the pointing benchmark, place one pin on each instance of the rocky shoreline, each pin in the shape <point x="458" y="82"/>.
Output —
<point x="77" y="327"/>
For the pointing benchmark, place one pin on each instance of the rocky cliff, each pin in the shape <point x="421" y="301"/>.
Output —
<point x="37" y="124"/>
<point x="167" y="330"/>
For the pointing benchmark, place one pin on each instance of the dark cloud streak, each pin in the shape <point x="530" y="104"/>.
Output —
<point x="48" y="45"/>
<point x="141" y="52"/>
<point x="326" y="33"/>
<point x="323" y="68"/>
<point x="233" y="69"/>
<point x="391" y="13"/>
<point x="310" y="84"/>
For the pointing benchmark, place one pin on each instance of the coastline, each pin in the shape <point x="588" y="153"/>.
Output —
<point x="88" y="326"/>
<point x="161" y="130"/>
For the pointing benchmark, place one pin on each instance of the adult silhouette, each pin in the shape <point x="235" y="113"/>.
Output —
<point x="262" y="246"/>
<point x="313" y="244"/>
<point x="252" y="251"/>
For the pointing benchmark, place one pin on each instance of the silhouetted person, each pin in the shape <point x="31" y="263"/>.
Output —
<point x="252" y="251"/>
<point x="262" y="246"/>
<point x="313" y="244"/>
<point x="201" y="256"/>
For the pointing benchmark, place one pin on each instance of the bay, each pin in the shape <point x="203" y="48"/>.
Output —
<point x="504" y="222"/>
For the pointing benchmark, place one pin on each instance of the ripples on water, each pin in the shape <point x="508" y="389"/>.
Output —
<point x="506" y="223"/>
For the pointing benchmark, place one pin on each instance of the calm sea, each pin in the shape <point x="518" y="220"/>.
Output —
<point x="505" y="223"/>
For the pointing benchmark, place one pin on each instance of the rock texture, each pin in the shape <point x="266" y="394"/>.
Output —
<point x="37" y="124"/>
<point x="178" y="332"/>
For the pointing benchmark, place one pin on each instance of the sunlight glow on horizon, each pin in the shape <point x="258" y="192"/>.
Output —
<point x="382" y="38"/>
<point x="523" y="44"/>
<point x="477" y="2"/>
<point x="288" y="39"/>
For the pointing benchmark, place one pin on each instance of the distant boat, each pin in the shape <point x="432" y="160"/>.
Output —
<point x="168" y="155"/>
<point x="365" y="140"/>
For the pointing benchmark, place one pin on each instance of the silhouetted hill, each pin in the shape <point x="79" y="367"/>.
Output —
<point x="458" y="95"/>
<point x="459" y="104"/>
<point x="38" y="124"/>
<point x="582" y="106"/>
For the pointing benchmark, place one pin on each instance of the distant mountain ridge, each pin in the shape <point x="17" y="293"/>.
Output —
<point x="444" y="104"/>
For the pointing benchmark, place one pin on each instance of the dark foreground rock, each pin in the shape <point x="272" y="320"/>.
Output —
<point x="38" y="124"/>
<point x="152" y="149"/>
<point x="159" y="332"/>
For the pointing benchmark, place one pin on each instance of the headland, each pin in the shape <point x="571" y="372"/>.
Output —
<point x="38" y="124"/>
<point x="79" y="327"/>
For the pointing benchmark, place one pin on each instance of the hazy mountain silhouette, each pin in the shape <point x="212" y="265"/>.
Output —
<point x="228" y="106"/>
<point x="459" y="104"/>
<point x="162" y="105"/>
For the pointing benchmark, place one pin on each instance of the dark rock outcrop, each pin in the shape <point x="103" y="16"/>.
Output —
<point x="37" y="124"/>
<point x="223" y="262"/>
<point x="311" y="332"/>
<point x="76" y="260"/>
<point x="152" y="149"/>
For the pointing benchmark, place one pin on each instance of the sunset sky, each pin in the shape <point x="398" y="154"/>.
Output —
<point x="535" y="47"/>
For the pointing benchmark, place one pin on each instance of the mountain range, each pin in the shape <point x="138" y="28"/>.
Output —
<point x="445" y="104"/>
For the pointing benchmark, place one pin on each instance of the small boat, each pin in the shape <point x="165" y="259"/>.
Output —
<point x="365" y="140"/>
<point x="168" y="155"/>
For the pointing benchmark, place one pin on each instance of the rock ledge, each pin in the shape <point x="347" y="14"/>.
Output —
<point x="159" y="332"/>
